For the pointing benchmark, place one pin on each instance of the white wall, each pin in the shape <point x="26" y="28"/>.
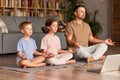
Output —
<point x="103" y="16"/>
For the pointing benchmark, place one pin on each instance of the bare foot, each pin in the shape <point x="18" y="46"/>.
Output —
<point x="71" y="62"/>
<point x="102" y="58"/>
<point x="42" y="64"/>
<point x="90" y="59"/>
<point x="24" y="67"/>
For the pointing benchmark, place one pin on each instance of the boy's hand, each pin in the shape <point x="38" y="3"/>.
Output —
<point x="24" y="57"/>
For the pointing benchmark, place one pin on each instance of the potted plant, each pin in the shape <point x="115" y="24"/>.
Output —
<point x="95" y="25"/>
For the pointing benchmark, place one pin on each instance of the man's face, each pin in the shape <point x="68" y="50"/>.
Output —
<point x="80" y="13"/>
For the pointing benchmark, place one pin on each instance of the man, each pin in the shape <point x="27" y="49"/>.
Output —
<point x="78" y="34"/>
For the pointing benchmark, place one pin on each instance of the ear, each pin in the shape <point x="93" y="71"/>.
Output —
<point x="75" y="13"/>
<point x="48" y="27"/>
<point x="22" y="31"/>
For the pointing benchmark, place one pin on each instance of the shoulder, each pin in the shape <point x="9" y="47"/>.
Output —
<point x="46" y="36"/>
<point x="21" y="40"/>
<point x="56" y="37"/>
<point x="70" y="23"/>
<point x="86" y="24"/>
<point x="32" y="39"/>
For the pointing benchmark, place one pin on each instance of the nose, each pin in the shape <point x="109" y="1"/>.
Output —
<point x="30" y="30"/>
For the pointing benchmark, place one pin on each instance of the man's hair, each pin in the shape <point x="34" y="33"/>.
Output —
<point x="23" y="24"/>
<point x="77" y="6"/>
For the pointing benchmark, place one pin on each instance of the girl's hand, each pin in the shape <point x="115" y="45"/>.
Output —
<point x="47" y="54"/>
<point x="50" y="55"/>
<point x="44" y="54"/>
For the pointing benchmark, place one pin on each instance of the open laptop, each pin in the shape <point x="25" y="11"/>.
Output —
<point x="111" y="63"/>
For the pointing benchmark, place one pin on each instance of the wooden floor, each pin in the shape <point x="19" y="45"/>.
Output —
<point x="70" y="73"/>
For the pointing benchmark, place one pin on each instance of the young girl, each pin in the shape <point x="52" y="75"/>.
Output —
<point x="51" y="44"/>
<point x="26" y="47"/>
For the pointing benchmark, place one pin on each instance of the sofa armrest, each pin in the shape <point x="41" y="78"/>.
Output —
<point x="0" y="30"/>
<point x="1" y="41"/>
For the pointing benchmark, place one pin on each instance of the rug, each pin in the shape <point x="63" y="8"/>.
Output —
<point x="32" y="70"/>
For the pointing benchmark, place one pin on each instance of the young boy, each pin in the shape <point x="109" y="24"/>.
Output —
<point x="26" y="47"/>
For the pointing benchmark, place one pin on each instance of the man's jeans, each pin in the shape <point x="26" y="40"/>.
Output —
<point x="95" y="51"/>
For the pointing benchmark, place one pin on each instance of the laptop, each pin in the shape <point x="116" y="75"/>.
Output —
<point x="111" y="63"/>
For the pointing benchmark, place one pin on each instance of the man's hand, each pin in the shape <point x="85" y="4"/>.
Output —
<point x="109" y="42"/>
<point x="76" y="44"/>
<point x="72" y="50"/>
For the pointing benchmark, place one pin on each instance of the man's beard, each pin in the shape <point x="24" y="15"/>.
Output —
<point x="82" y="18"/>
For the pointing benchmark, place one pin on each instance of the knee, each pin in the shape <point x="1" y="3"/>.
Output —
<point x="105" y="46"/>
<point x="24" y="62"/>
<point x="70" y="55"/>
<point x="42" y="58"/>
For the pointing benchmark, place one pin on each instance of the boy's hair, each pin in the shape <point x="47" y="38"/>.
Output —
<point x="48" y="22"/>
<point x="77" y="6"/>
<point x="23" y="24"/>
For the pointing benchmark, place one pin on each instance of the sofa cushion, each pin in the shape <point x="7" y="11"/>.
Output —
<point x="0" y="43"/>
<point x="62" y="37"/>
<point x="37" y="23"/>
<point x="10" y="23"/>
<point x="55" y="17"/>
<point x="20" y="19"/>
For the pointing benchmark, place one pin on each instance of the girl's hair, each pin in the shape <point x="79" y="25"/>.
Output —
<point x="48" y="22"/>
<point x="23" y="24"/>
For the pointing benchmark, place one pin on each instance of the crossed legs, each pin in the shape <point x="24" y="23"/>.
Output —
<point x="35" y="62"/>
<point x="92" y="53"/>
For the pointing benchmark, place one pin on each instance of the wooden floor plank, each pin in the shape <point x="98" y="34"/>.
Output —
<point x="70" y="73"/>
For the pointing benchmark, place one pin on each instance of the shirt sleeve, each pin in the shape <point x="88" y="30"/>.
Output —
<point x="90" y="32"/>
<point x="69" y="30"/>
<point x="43" y="43"/>
<point x="19" y="46"/>
<point x="59" y="43"/>
<point x="35" y="46"/>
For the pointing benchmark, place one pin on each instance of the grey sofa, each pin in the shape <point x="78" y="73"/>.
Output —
<point x="10" y="33"/>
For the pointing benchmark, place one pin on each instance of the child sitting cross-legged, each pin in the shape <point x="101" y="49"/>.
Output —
<point x="26" y="47"/>
<point x="51" y="44"/>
